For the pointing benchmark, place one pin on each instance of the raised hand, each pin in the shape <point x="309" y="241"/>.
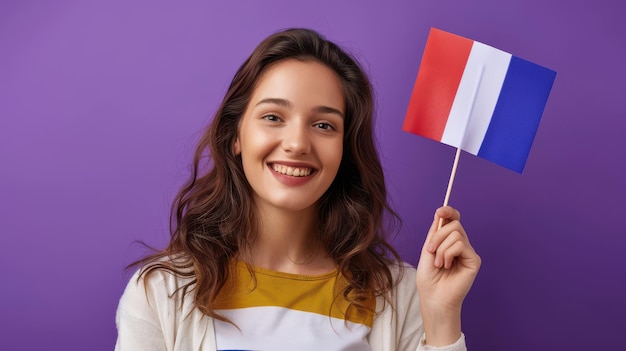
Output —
<point x="446" y="270"/>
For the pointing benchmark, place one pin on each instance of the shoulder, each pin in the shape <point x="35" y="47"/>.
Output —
<point x="403" y="291"/>
<point x="149" y="291"/>
<point x="155" y="308"/>
<point x="398" y="324"/>
<point x="404" y="299"/>
<point x="404" y="278"/>
<point x="400" y="267"/>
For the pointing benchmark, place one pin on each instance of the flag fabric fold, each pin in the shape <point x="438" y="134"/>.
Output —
<point x="478" y="98"/>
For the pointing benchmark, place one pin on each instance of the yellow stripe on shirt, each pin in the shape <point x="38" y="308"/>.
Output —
<point x="321" y="294"/>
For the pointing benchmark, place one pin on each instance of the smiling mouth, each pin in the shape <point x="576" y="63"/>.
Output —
<point x="292" y="171"/>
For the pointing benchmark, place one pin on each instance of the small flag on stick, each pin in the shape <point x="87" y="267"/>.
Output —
<point x="479" y="99"/>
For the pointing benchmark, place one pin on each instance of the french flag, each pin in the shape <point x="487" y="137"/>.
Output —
<point x="477" y="98"/>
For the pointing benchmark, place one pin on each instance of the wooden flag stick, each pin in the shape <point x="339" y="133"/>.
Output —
<point x="452" y="174"/>
<point x="451" y="181"/>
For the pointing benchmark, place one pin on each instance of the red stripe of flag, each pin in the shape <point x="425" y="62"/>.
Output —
<point x="438" y="78"/>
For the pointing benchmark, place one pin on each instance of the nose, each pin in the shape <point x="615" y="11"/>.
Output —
<point x="296" y="139"/>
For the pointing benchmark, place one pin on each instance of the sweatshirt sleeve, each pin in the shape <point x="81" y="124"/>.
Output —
<point x="459" y="345"/>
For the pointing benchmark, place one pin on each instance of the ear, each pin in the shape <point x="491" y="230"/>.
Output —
<point x="237" y="147"/>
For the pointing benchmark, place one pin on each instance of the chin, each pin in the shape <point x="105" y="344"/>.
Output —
<point x="295" y="207"/>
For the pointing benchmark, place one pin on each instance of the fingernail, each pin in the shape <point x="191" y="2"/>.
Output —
<point x="430" y="248"/>
<point x="438" y="263"/>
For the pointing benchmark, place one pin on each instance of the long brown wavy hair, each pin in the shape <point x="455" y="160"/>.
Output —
<point x="214" y="219"/>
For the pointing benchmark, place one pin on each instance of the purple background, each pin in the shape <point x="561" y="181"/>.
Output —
<point x="101" y="104"/>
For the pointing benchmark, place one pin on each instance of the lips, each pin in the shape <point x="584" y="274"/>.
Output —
<point x="292" y="170"/>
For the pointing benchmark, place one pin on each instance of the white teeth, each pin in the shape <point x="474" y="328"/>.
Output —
<point x="291" y="171"/>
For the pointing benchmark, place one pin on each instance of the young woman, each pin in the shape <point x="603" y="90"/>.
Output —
<point x="278" y="238"/>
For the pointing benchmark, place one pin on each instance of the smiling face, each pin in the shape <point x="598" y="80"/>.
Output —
<point x="291" y="135"/>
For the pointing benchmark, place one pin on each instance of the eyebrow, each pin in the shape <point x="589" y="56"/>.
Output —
<point x="285" y="103"/>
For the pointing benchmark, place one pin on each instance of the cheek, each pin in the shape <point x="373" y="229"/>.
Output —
<point x="334" y="152"/>
<point x="254" y="139"/>
<point x="254" y="149"/>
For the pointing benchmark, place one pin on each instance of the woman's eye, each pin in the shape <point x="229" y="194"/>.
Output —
<point x="272" y="118"/>
<point x="325" y="126"/>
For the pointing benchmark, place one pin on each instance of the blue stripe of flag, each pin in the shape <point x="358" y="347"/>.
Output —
<point x="517" y="114"/>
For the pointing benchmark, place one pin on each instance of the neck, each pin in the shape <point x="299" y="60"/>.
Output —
<point x="287" y="242"/>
